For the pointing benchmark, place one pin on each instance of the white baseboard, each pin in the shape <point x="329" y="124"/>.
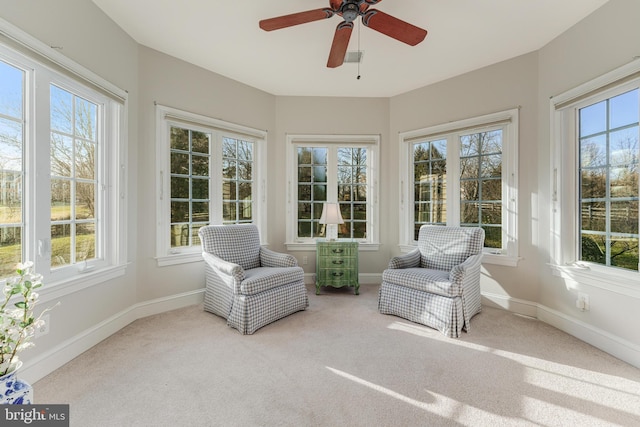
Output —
<point x="363" y="278"/>
<point x="515" y="305"/>
<point x="44" y="364"/>
<point x="605" y="341"/>
<point x="49" y="361"/>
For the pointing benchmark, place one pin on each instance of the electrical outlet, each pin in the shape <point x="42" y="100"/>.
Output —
<point x="583" y="302"/>
<point x="44" y="329"/>
<point x="305" y="260"/>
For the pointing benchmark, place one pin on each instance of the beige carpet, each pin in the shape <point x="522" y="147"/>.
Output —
<point x="341" y="363"/>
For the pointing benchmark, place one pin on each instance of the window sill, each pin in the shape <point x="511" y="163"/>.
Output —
<point x="620" y="282"/>
<point x="487" y="258"/>
<point x="179" y="258"/>
<point x="311" y="246"/>
<point x="55" y="290"/>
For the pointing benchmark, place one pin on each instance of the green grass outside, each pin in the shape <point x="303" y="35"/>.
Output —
<point x="60" y="249"/>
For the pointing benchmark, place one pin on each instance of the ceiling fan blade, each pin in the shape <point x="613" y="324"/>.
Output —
<point x="296" y="19"/>
<point x="340" y="44"/>
<point x="335" y="4"/>
<point x="394" y="27"/>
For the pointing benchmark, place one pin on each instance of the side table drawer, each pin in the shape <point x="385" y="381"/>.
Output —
<point x="330" y="276"/>
<point x="337" y="250"/>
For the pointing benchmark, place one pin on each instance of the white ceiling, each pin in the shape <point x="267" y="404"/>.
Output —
<point x="224" y="37"/>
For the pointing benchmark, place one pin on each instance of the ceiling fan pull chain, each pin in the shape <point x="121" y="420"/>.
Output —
<point x="359" y="51"/>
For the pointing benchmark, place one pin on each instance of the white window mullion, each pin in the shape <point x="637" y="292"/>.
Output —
<point x="453" y="179"/>
<point x="39" y="201"/>
<point x="332" y="174"/>
<point x="215" y="184"/>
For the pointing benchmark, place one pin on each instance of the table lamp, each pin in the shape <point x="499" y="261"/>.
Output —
<point x="331" y="217"/>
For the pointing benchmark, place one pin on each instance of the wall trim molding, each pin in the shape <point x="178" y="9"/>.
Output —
<point x="37" y="368"/>
<point x="624" y="350"/>
<point x="45" y="363"/>
<point x="365" y="279"/>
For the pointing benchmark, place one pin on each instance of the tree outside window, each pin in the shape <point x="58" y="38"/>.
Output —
<point x="609" y="151"/>
<point x="73" y="148"/>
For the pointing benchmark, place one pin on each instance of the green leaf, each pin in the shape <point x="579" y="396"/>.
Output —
<point x="21" y="304"/>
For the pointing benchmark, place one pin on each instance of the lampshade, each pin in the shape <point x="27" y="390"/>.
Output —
<point x="331" y="214"/>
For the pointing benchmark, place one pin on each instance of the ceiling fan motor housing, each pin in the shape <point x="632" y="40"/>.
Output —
<point x="350" y="10"/>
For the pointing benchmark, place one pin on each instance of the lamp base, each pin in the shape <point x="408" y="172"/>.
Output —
<point x="332" y="232"/>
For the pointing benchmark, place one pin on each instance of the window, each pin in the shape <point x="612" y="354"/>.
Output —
<point x="608" y="174"/>
<point x="340" y="169"/>
<point x="463" y="173"/>
<point x="595" y="164"/>
<point x="190" y="201"/>
<point x="213" y="178"/>
<point x="61" y="171"/>
<point x="74" y="156"/>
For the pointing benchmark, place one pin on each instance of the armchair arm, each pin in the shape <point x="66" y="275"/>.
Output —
<point x="469" y="269"/>
<point x="225" y="267"/>
<point x="269" y="258"/>
<point x="409" y="260"/>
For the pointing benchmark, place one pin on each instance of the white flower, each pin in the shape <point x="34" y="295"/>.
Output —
<point x="17" y="321"/>
<point x="24" y="266"/>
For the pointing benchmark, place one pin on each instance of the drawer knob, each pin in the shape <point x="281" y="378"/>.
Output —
<point x="338" y="273"/>
<point x="337" y="251"/>
<point x="338" y="261"/>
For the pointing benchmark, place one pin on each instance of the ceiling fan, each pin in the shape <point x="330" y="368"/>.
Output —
<point x="350" y="10"/>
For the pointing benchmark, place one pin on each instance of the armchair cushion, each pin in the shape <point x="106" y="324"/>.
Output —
<point x="263" y="278"/>
<point x="423" y="279"/>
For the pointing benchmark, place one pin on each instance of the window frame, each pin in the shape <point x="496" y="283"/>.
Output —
<point x="508" y="121"/>
<point x="564" y="183"/>
<point x="372" y="143"/>
<point x="43" y="68"/>
<point x="166" y="117"/>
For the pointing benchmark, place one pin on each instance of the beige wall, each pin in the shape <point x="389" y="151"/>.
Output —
<point x="175" y="83"/>
<point x="499" y="87"/>
<point x="603" y="41"/>
<point x="83" y="33"/>
<point x="312" y="115"/>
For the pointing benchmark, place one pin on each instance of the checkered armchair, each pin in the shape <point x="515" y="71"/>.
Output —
<point x="437" y="284"/>
<point x="247" y="284"/>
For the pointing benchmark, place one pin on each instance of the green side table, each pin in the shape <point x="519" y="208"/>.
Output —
<point x="337" y="264"/>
